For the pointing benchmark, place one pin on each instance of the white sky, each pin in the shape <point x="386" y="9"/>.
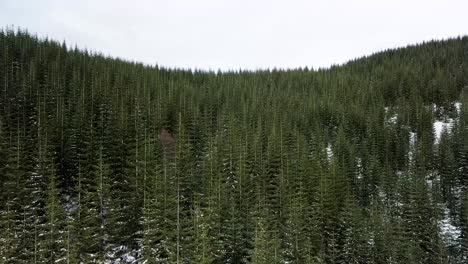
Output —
<point x="247" y="34"/>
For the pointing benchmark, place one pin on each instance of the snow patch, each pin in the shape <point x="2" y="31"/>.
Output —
<point x="439" y="127"/>
<point x="359" y="168"/>
<point x="449" y="232"/>
<point x="412" y="143"/>
<point x="391" y="117"/>
<point x="329" y="152"/>
<point x="458" y="107"/>
<point x="430" y="178"/>
<point x="412" y="138"/>
<point x="126" y="256"/>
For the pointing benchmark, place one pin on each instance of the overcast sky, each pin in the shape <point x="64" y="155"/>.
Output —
<point x="247" y="34"/>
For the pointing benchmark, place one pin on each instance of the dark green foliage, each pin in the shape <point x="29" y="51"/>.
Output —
<point x="108" y="161"/>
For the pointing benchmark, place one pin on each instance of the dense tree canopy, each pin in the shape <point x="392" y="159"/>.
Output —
<point x="109" y="161"/>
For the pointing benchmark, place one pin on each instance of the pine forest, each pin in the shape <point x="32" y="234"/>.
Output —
<point x="104" y="160"/>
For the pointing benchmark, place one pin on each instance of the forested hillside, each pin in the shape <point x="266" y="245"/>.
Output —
<point x="108" y="161"/>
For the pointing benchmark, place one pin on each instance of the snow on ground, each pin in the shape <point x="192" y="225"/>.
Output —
<point x="431" y="178"/>
<point x="329" y="152"/>
<point x="458" y="107"/>
<point x="126" y="256"/>
<point x="439" y="127"/>
<point x="392" y="119"/>
<point x="390" y="116"/>
<point x="449" y="232"/>
<point x="412" y="138"/>
<point x="359" y="167"/>
<point x="412" y="143"/>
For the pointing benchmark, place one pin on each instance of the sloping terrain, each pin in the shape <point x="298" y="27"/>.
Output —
<point x="108" y="161"/>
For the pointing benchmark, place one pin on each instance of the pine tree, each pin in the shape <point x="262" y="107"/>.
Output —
<point x="8" y="196"/>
